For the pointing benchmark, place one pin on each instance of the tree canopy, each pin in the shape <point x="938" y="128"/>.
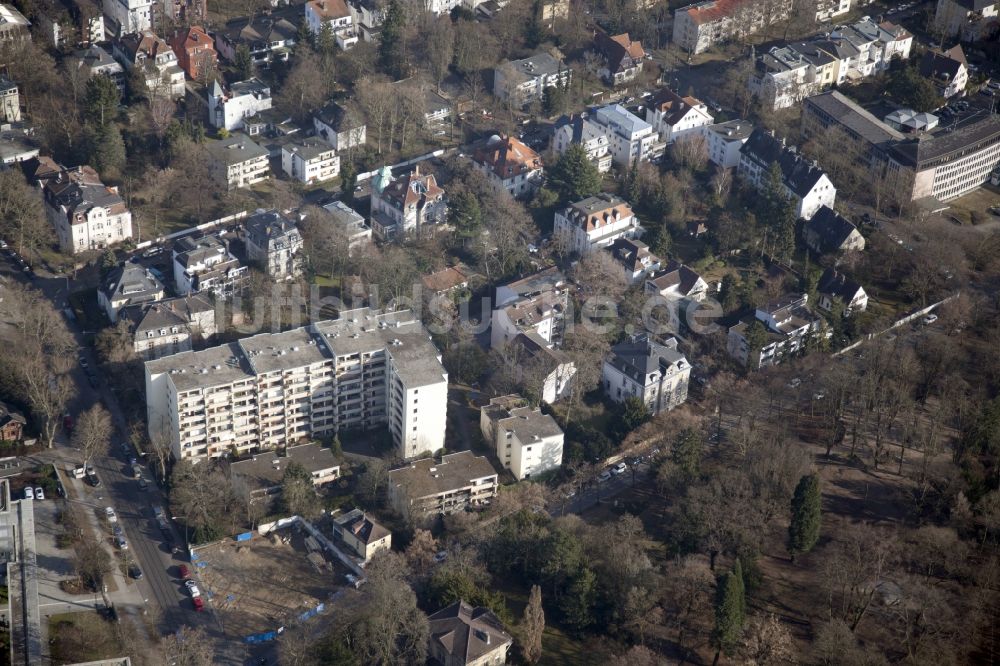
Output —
<point x="574" y="176"/>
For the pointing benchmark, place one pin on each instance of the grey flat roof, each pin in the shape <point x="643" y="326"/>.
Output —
<point x="428" y="477"/>
<point x="849" y="114"/>
<point x="266" y="470"/>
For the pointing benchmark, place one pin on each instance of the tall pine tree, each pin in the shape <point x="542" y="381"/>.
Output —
<point x="730" y="611"/>
<point x="803" y="532"/>
<point x="391" y="50"/>
<point x="574" y="176"/>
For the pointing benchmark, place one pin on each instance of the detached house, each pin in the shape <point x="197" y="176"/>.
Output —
<point x="595" y="223"/>
<point x="406" y="204"/>
<point x="785" y="326"/>
<point x="169" y="326"/>
<point x="674" y="117"/>
<point x="675" y="282"/>
<point x="570" y="131"/>
<point x="527" y="442"/>
<point x="12" y="423"/>
<point x="461" y="635"/>
<point x="10" y="101"/>
<point x="244" y="100"/>
<point x="509" y="165"/>
<point x="538" y="367"/>
<point x="151" y="55"/>
<point x="95" y="60"/>
<point x="128" y="284"/>
<point x="947" y="70"/>
<point x="129" y="16"/>
<point x="805" y="183"/>
<point x="521" y="82"/>
<point x="341" y="126"/>
<point x="536" y="303"/>
<point x="350" y="223"/>
<point x="238" y="162"/>
<point x="623" y="57"/>
<point x="194" y="51"/>
<point x="335" y="16"/>
<point x="13" y="25"/>
<point x="828" y="231"/>
<point x="274" y="242"/>
<point x="835" y="286"/>
<point x="658" y="374"/>
<point x="205" y="264"/>
<point x="268" y="38"/>
<point x="635" y="258"/>
<point x="631" y="139"/>
<point x="310" y="161"/>
<point x="362" y="535"/>
<point x="85" y="213"/>
<point x="725" y="140"/>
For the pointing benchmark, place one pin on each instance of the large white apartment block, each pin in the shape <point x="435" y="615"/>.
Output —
<point x="631" y="139"/>
<point x="658" y="374"/>
<point x="245" y="99"/>
<point x="725" y="140"/>
<point x="334" y="15"/>
<point x="697" y="27"/>
<point x="595" y="223"/>
<point x="129" y="15"/>
<point x="522" y="82"/>
<point x="527" y="442"/>
<point x="674" y="117"/>
<point x="363" y="370"/>
<point x="85" y="213"/>
<point x="310" y="161"/>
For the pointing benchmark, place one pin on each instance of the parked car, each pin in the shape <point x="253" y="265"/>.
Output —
<point x="192" y="588"/>
<point x="143" y="485"/>
<point x="110" y="514"/>
<point x="39" y="493"/>
<point x="620" y="468"/>
<point x="136" y="470"/>
<point x="199" y="604"/>
<point x="930" y="319"/>
<point x="603" y="476"/>
<point x="93" y="479"/>
<point x="134" y="571"/>
<point x="121" y="543"/>
<point x="118" y="531"/>
<point x="29" y="492"/>
<point x="183" y="572"/>
<point x="352" y="580"/>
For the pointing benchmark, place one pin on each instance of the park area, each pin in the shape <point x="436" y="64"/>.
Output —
<point x="268" y="582"/>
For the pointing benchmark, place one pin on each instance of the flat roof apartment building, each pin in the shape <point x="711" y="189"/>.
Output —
<point x="271" y="390"/>
<point x="428" y="486"/>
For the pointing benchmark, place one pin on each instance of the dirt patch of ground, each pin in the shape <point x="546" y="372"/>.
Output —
<point x="260" y="585"/>
<point x="82" y="637"/>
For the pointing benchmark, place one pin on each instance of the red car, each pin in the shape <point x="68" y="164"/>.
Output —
<point x="183" y="571"/>
<point x="67" y="423"/>
<point x="199" y="604"/>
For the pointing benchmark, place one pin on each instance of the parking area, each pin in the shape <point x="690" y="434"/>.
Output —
<point x="260" y="585"/>
<point x="55" y="564"/>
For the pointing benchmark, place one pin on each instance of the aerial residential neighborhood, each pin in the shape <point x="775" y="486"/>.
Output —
<point x="480" y="332"/>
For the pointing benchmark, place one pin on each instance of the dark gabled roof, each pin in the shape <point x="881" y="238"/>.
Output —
<point x="830" y="228"/>
<point x="340" y="117"/>
<point x="837" y="284"/>
<point x="265" y="227"/>
<point x="799" y="174"/>
<point x="854" y="119"/>
<point x="942" y="66"/>
<point x="261" y="30"/>
<point x="132" y="282"/>
<point x="467" y="633"/>
<point x="675" y="274"/>
<point x="641" y="356"/>
<point x="620" y="51"/>
<point x="8" y="414"/>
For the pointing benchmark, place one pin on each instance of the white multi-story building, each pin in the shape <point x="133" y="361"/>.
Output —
<point x="595" y="223"/>
<point x="205" y="264"/>
<point x="310" y="161"/>
<point x="537" y="303"/>
<point x="674" y="117"/>
<point x="244" y="99"/>
<point x="128" y="284"/>
<point x="658" y="374"/>
<point x="509" y="165"/>
<point x="787" y="325"/>
<point x="95" y="60"/>
<point x="527" y="442"/>
<point x="85" y="213"/>
<point x="596" y="145"/>
<point x="274" y="242"/>
<point x="725" y="140"/>
<point x="969" y="20"/>
<point x="129" y="15"/>
<point x="341" y="126"/>
<point x="947" y="70"/>
<point x="406" y="204"/>
<point x="334" y="15"/>
<point x="237" y="161"/>
<point x="169" y="326"/>
<point x="697" y="27"/>
<point x="363" y="370"/>
<point x="10" y="101"/>
<point x="352" y="224"/>
<point x="522" y="82"/>
<point x="805" y="183"/>
<point x="630" y="138"/>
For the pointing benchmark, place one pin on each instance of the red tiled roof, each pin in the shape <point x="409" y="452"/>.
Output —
<point x="330" y="9"/>
<point x="508" y="157"/>
<point x="708" y="13"/>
